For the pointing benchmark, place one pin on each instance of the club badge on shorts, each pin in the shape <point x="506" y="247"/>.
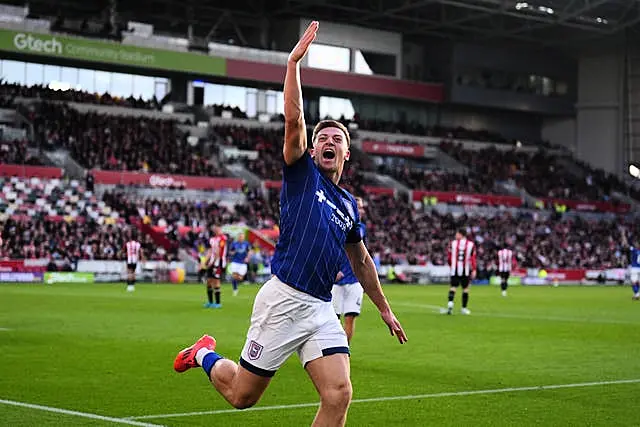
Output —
<point x="255" y="350"/>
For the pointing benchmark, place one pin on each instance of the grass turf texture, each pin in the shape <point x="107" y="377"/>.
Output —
<point x="100" y="350"/>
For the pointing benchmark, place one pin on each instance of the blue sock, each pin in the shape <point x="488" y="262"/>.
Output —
<point x="234" y="282"/>
<point x="635" y="288"/>
<point x="210" y="360"/>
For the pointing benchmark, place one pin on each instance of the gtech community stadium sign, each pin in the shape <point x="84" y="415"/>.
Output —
<point x="74" y="48"/>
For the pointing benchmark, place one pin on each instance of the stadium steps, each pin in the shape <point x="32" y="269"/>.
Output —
<point x="239" y="171"/>
<point x="62" y="159"/>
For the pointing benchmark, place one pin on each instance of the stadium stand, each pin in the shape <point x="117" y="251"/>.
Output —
<point x="61" y="220"/>
<point x="107" y="142"/>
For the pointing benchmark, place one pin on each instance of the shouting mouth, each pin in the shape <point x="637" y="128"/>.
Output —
<point x="328" y="154"/>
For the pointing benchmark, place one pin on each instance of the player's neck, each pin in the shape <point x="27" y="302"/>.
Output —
<point x="333" y="176"/>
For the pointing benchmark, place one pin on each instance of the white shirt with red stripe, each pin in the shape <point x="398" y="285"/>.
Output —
<point x="218" y="252"/>
<point x="462" y="257"/>
<point x="133" y="251"/>
<point x="506" y="260"/>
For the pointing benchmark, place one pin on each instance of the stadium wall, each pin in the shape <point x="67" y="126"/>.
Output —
<point x="600" y="111"/>
<point x="560" y="131"/>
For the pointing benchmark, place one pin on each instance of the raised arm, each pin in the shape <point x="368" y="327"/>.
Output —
<point x="295" y="130"/>
<point x="365" y="270"/>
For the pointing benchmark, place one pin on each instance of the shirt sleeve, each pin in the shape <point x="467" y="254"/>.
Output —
<point x="355" y="235"/>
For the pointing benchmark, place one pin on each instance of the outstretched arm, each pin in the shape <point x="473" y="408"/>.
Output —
<point x="295" y="130"/>
<point x="365" y="271"/>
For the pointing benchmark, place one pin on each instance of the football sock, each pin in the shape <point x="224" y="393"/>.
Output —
<point x="451" y="295"/>
<point x="465" y="299"/>
<point x="207" y="358"/>
<point x="217" y="296"/>
<point x="503" y="286"/>
<point x="210" y="295"/>
<point x="234" y="283"/>
<point x="636" y="288"/>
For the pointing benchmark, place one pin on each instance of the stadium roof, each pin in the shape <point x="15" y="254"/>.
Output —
<point x="558" y="23"/>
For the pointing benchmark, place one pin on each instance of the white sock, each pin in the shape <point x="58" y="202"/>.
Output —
<point x="201" y="354"/>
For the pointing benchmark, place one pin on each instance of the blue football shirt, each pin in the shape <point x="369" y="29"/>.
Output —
<point x="635" y="257"/>
<point x="240" y="251"/>
<point x="317" y="218"/>
<point x="349" y="276"/>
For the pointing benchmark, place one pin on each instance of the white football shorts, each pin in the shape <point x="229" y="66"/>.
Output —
<point x="634" y="274"/>
<point x="284" y="321"/>
<point x="347" y="299"/>
<point x="238" y="268"/>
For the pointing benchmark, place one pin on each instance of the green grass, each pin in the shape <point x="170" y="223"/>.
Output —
<point x="99" y="350"/>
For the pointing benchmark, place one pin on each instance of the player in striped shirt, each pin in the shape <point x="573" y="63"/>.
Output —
<point x="216" y="266"/>
<point x="292" y="312"/>
<point x="134" y="255"/>
<point x="506" y="262"/>
<point x="462" y="264"/>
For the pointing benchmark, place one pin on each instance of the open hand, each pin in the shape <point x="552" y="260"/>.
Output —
<point x="300" y="49"/>
<point x="394" y="326"/>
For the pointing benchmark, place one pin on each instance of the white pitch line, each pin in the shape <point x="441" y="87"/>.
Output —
<point x="76" y="413"/>
<point x="526" y="316"/>
<point x="391" y="398"/>
<point x="5" y="329"/>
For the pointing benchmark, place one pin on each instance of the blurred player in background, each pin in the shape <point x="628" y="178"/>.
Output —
<point x="292" y="312"/>
<point x="462" y="263"/>
<point x="239" y="252"/>
<point x="506" y="262"/>
<point x="634" y="271"/>
<point x="347" y="292"/>
<point x="203" y="257"/>
<point x="216" y="266"/>
<point x="132" y="247"/>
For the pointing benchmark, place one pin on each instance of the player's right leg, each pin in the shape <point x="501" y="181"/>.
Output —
<point x="131" y="277"/>
<point x="270" y="341"/>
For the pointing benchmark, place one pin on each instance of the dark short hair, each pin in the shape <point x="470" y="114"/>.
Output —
<point x="330" y="124"/>
<point x="462" y="231"/>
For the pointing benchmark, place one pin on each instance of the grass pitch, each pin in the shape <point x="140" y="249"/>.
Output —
<point x="108" y="355"/>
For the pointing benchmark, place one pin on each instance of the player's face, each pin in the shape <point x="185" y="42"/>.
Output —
<point x="330" y="150"/>
<point x="240" y="237"/>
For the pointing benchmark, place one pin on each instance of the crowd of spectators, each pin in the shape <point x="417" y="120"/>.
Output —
<point x="69" y="241"/>
<point x="540" y="174"/>
<point x="121" y="143"/>
<point x="14" y="90"/>
<point x="16" y="152"/>
<point x="399" y="232"/>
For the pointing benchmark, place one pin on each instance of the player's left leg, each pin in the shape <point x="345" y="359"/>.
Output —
<point x="504" y="285"/>
<point x="455" y="282"/>
<point x="465" y="295"/>
<point x="216" y="291"/>
<point x="352" y="305"/>
<point x="325" y="357"/>
<point x="330" y="375"/>
<point x="636" y="290"/>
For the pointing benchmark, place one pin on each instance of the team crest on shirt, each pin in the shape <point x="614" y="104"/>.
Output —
<point x="255" y="350"/>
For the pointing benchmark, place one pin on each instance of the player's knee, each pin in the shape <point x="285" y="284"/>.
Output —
<point x="338" y="396"/>
<point x="244" y="401"/>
